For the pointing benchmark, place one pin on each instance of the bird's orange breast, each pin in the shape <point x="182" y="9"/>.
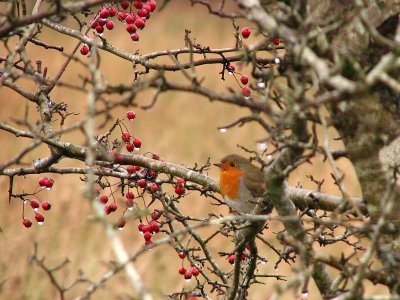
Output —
<point x="229" y="182"/>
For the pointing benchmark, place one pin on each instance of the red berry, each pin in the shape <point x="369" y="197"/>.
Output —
<point x="101" y="22"/>
<point x="119" y="159"/>
<point x="182" y="255"/>
<point x="244" y="79"/>
<point x="39" y="217"/>
<point x="145" y="228"/>
<point x="243" y="257"/>
<point x="104" y="199"/>
<point x="129" y="147"/>
<point x="130" y="195"/>
<point x="180" y="181"/>
<point x="121" y="16"/>
<point x="195" y="271"/>
<point x="121" y="222"/>
<point x="246" y="32"/>
<point x="113" y="206"/>
<point x="35" y="204"/>
<point x="231" y="68"/>
<point x="130" y="19"/>
<point x="129" y="202"/>
<point x="154" y="227"/>
<point x="276" y="41"/>
<point x="139" y="23"/>
<point x="148" y="8"/>
<point x="137" y="168"/>
<point x="49" y="183"/>
<point x="152" y="174"/>
<point x="126" y="137"/>
<point x="46" y="205"/>
<point x="188" y="275"/>
<point x="142" y="183"/>
<point x="131" y="115"/>
<point x="231" y="259"/>
<point x="147" y="243"/>
<point x="154" y="187"/>
<point x="110" y="25"/>
<point x="27" y="223"/>
<point x="42" y="181"/>
<point x="179" y="190"/>
<point x="137" y="143"/>
<point x="155" y="156"/>
<point x="140" y="227"/>
<point x="182" y="270"/>
<point x="93" y="24"/>
<point x="130" y="169"/>
<point x="142" y="13"/>
<point x="147" y="236"/>
<point x="112" y="11"/>
<point x="124" y="4"/>
<point x="155" y="215"/>
<point x="138" y="4"/>
<point x="107" y="209"/>
<point x="99" y="29"/>
<point x="104" y="13"/>
<point x="135" y="37"/>
<point x="153" y="5"/>
<point x="246" y="92"/>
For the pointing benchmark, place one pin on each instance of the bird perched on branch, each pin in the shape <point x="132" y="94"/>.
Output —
<point x="242" y="184"/>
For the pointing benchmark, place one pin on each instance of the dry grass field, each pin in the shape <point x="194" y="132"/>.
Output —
<point x="181" y="127"/>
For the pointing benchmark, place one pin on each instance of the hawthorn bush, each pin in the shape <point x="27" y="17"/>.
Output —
<point x="109" y="146"/>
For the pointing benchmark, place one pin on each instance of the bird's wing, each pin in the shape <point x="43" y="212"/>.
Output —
<point x="256" y="185"/>
<point x="255" y="182"/>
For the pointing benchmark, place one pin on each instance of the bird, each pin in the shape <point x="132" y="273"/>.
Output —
<point x="242" y="184"/>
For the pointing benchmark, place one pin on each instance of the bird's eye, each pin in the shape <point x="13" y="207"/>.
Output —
<point x="232" y="164"/>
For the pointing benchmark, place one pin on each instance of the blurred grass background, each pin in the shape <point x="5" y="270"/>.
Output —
<point x="181" y="127"/>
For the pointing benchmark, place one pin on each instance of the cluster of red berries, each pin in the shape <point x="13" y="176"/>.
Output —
<point x="126" y="137"/>
<point x="146" y="174"/>
<point x="180" y="186"/>
<point x="145" y="183"/>
<point x="246" y="31"/>
<point x="231" y="258"/>
<point x="187" y="274"/>
<point x="130" y="203"/>
<point x="246" y="92"/>
<point x="129" y="196"/>
<point x="133" y="14"/>
<point x="108" y="208"/>
<point x="143" y="179"/>
<point x="131" y="143"/>
<point x="130" y="146"/>
<point x="151" y="228"/>
<point x="44" y="183"/>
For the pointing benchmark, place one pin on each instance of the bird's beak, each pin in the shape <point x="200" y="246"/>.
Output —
<point x="218" y="165"/>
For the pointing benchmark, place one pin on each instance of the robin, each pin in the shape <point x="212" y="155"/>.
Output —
<point x="242" y="184"/>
